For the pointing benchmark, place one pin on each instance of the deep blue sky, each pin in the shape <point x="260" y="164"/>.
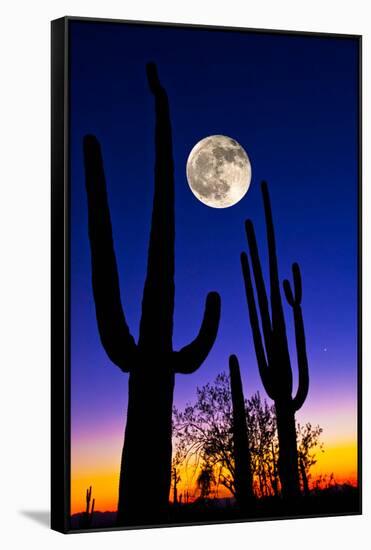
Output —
<point x="291" y="102"/>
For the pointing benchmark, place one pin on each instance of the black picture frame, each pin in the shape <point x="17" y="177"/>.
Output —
<point x="60" y="264"/>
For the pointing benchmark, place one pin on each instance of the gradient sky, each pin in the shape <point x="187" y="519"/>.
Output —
<point x="291" y="102"/>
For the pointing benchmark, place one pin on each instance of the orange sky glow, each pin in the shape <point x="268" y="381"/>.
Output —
<point x="102" y="472"/>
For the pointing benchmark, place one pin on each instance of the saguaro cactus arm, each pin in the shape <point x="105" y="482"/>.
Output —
<point x="254" y="321"/>
<point x="277" y="311"/>
<point x="113" y="329"/>
<point x="260" y="286"/>
<point x="294" y="300"/>
<point x="191" y="357"/>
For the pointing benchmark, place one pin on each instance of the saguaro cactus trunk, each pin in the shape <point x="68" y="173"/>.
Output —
<point x="151" y="362"/>
<point x="241" y="450"/>
<point x="273" y="356"/>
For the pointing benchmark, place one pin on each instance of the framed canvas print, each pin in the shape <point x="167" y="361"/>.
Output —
<point x="206" y="274"/>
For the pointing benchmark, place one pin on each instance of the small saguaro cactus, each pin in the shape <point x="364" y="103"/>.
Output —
<point x="87" y="516"/>
<point x="151" y="362"/>
<point x="241" y="451"/>
<point x="273" y="357"/>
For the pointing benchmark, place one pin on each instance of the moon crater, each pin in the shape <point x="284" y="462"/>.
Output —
<point x="218" y="171"/>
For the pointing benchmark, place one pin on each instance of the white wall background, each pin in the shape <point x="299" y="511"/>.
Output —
<point x="25" y="258"/>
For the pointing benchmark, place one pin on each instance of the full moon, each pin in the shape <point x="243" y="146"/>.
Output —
<point x="218" y="171"/>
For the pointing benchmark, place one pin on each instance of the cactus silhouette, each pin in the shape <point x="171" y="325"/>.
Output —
<point x="87" y="516"/>
<point x="241" y="451"/>
<point x="151" y="361"/>
<point x="273" y="357"/>
<point x="176" y="479"/>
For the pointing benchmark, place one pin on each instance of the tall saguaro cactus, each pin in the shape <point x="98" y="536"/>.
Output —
<point x="241" y="451"/>
<point x="151" y="361"/>
<point x="273" y="356"/>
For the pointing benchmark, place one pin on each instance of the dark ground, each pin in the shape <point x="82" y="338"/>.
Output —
<point x="336" y="500"/>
